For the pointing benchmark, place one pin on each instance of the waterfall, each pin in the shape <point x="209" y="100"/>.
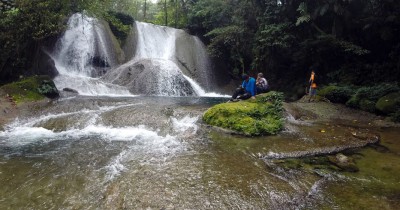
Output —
<point x="155" y="42"/>
<point x="81" y="55"/>
<point x="166" y="61"/>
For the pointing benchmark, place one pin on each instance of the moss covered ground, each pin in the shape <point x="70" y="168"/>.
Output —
<point x="29" y="89"/>
<point x="252" y="117"/>
<point x="380" y="99"/>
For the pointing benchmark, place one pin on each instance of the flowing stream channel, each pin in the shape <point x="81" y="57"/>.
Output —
<point x="155" y="153"/>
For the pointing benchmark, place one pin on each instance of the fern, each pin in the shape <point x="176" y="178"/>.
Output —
<point x="305" y="16"/>
<point x="303" y="19"/>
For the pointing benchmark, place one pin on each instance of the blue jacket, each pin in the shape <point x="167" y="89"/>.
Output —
<point x="250" y="86"/>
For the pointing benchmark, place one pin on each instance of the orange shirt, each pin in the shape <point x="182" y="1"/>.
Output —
<point x="312" y="77"/>
<point x="314" y="85"/>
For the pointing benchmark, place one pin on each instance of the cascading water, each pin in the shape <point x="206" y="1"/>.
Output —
<point x="155" y="42"/>
<point x="80" y="54"/>
<point x="143" y="152"/>
<point x="166" y="62"/>
<point x="160" y="43"/>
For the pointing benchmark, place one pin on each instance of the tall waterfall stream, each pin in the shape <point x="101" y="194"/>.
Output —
<point x="107" y="148"/>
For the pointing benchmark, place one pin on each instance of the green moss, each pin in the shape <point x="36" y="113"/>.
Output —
<point x="262" y="116"/>
<point x="389" y="103"/>
<point x="29" y="89"/>
<point x="367" y="105"/>
<point x="336" y="94"/>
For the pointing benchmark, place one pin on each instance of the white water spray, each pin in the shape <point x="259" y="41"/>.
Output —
<point x="82" y="44"/>
<point x="159" y="45"/>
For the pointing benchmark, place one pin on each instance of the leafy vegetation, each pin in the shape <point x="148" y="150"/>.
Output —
<point x="120" y="24"/>
<point x="351" y="42"/>
<point x="337" y="94"/>
<point x="354" y="43"/>
<point x="263" y="116"/>
<point x="31" y="89"/>
<point x="381" y="99"/>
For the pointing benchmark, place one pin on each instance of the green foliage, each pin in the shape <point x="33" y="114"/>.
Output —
<point x="120" y="24"/>
<point x="275" y="35"/>
<point x="174" y="14"/>
<point x="263" y="116"/>
<point x="305" y="16"/>
<point x="48" y="88"/>
<point x="337" y="94"/>
<point x="22" y="27"/>
<point x="367" y="105"/>
<point x="366" y="97"/>
<point x="389" y="103"/>
<point x="223" y="37"/>
<point x="31" y="89"/>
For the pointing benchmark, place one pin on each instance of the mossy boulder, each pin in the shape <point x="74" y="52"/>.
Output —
<point x="31" y="89"/>
<point x="336" y="94"/>
<point x="389" y="103"/>
<point x="262" y="116"/>
<point x="367" y="105"/>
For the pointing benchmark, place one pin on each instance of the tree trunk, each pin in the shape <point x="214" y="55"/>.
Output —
<point x="144" y="11"/>
<point x="166" y="12"/>
<point x="176" y="13"/>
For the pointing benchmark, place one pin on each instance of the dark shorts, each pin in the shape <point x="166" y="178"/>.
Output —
<point x="313" y="91"/>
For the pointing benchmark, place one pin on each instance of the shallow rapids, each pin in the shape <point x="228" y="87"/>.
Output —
<point x="151" y="153"/>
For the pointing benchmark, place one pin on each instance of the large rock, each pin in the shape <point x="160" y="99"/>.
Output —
<point x="151" y="77"/>
<point x="263" y="116"/>
<point x="389" y="103"/>
<point x="44" y="64"/>
<point x="193" y="59"/>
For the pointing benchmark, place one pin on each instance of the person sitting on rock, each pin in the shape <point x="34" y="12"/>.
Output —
<point x="261" y="83"/>
<point x="246" y="90"/>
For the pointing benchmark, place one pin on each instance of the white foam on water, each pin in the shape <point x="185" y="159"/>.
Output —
<point x="185" y="124"/>
<point x="25" y="135"/>
<point x="146" y="148"/>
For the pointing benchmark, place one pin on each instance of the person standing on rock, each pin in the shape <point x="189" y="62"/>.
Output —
<point x="313" y="86"/>
<point x="246" y="90"/>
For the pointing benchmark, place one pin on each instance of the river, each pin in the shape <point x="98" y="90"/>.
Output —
<point x="155" y="153"/>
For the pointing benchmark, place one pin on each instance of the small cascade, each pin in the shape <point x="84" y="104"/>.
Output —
<point x="81" y="55"/>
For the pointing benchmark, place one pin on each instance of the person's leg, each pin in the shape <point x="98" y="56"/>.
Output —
<point x="313" y="92"/>
<point x="245" y="96"/>
<point x="259" y="90"/>
<point x="237" y="92"/>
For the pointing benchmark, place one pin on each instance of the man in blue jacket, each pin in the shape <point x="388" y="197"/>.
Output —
<point x="246" y="90"/>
